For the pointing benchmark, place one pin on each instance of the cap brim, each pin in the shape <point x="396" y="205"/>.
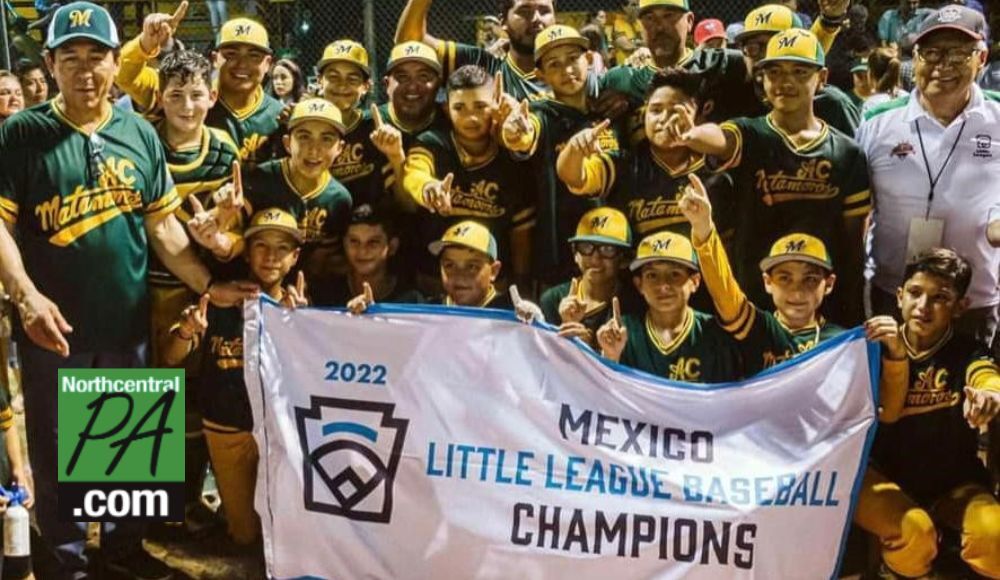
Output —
<point x="266" y="49"/>
<point x="322" y="64"/>
<point x="295" y="233"/>
<point x="770" y="262"/>
<point x="798" y="59"/>
<point x="438" y="246"/>
<point x="715" y="35"/>
<point x="640" y="262"/>
<point x="570" y="41"/>
<point x="859" y="69"/>
<point x="431" y="63"/>
<point x="600" y="240"/>
<point x="338" y="126"/>
<point x="81" y="36"/>
<point x="940" y="27"/>
<point x="745" y="34"/>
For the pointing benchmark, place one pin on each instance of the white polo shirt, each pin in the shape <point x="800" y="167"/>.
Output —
<point x="969" y="186"/>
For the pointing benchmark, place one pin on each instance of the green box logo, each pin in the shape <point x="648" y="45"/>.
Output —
<point x="121" y="443"/>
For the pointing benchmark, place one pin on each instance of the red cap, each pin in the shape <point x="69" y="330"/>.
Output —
<point x="709" y="29"/>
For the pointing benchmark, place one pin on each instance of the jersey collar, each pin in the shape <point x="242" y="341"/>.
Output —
<point x="695" y="163"/>
<point x="678" y="340"/>
<point x="465" y="159"/>
<point x="920" y="356"/>
<point x="202" y="153"/>
<point x="255" y="103"/>
<point x="286" y="172"/>
<point x="490" y="297"/>
<point x="528" y="76"/>
<point x="823" y="133"/>
<point x="976" y="106"/>
<point x="410" y="130"/>
<point x="57" y="109"/>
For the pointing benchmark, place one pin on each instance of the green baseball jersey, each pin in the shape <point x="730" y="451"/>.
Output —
<point x="559" y="210"/>
<point x="437" y="121"/>
<point x="784" y="188"/>
<point x="516" y="82"/>
<point x="493" y="193"/>
<point x="197" y="171"/>
<point x="338" y="293"/>
<point x="549" y="303"/>
<point x="931" y="450"/>
<point x="223" y="397"/>
<point x="702" y="353"/>
<point x="78" y="205"/>
<point x="252" y="129"/>
<point x="322" y="214"/>
<point x="494" y="299"/>
<point x="361" y="167"/>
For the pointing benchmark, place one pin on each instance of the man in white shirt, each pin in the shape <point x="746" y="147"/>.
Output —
<point x="934" y="159"/>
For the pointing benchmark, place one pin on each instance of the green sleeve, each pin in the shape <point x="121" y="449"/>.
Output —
<point x="455" y="54"/>
<point x="549" y="303"/>
<point x="855" y="192"/>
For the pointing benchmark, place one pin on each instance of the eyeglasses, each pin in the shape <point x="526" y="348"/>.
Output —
<point x="953" y="56"/>
<point x="95" y="155"/>
<point x="603" y="250"/>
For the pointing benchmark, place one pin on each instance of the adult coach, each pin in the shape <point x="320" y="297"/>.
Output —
<point x="85" y="187"/>
<point x="934" y="159"/>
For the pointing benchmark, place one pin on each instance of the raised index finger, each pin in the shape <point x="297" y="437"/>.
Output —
<point x="697" y="185"/>
<point x="237" y="178"/>
<point x="601" y="126"/>
<point x="376" y="116"/>
<point x="515" y="296"/>
<point x="196" y="204"/>
<point x="497" y="87"/>
<point x="178" y="16"/>
<point x="616" y="311"/>
<point x="203" y="304"/>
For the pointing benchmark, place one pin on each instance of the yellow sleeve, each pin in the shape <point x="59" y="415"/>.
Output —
<point x="6" y="418"/>
<point x="139" y="80"/>
<point x="446" y="52"/>
<point x="983" y="374"/>
<point x="736" y="313"/>
<point x="599" y="171"/>
<point x="824" y="35"/>
<point x="418" y="171"/>
<point x="734" y="161"/>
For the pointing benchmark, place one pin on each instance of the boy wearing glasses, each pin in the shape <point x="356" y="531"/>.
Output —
<point x="793" y="172"/>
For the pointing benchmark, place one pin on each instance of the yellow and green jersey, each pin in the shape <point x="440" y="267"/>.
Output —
<point x="558" y="209"/>
<point x="223" y="399"/>
<point x="931" y="450"/>
<point x="78" y="204"/>
<point x="361" y="167"/>
<point x="702" y="353"/>
<point x="762" y="339"/>
<point x="197" y="171"/>
<point x="783" y="188"/>
<point x="493" y="192"/>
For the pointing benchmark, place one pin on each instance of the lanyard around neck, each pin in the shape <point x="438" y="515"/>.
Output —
<point x="927" y="165"/>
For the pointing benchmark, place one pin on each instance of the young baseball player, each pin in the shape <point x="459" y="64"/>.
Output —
<point x="546" y="126"/>
<point x="463" y="173"/>
<point x="243" y="110"/>
<point x="792" y="172"/>
<point x="601" y="249"/>
<point x="937" y="391"/>
<point x="669" y="339"/>
<point x="469" y="262"/>
<point x="273" y="244"/>
<point x="797" y="274"/>
<point x="301" y="184"/>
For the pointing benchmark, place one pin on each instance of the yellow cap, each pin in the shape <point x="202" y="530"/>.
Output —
<point x="315" y="109"/>
<point x="798" y="248"/>
<point x="345" y="51"/>
<point x="795" y="45"/>
<point x="467" y="234"/>
<point x="665" y="247"/>
<point x="770" y="18"/>
<point x="677" y="4"/>
<point x="604" y="225"/>
<point x="274" y="219"/>
<point x="558" y="35"/>
<point x="243" y="31"/>
<point x="413" y="51"/>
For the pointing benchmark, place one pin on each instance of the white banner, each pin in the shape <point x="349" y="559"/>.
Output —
<point x="450" y="443"/>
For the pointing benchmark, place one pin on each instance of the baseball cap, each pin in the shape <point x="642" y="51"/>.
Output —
<point x="604" y="225"/>
<point x="954" y="17"/>
<point x="243" y="31"/>
<point x="345" y="51"/>
<point x="558" y="35"/>
<point x="316" y="109"/>
<point x="795" y="45"/>
<point x="413" y="51"/>
<point x="770" y="18"/>
<point x="665" y="247"/>
<point x="709" y="29"/>
<point x="860" y="65"/>
<point x="798" y="248"/>
<point x="467" y="234"/>
<point x="676" y="4"/>
<point x="733" y="31"/>
<point x="82" y="20"/>
<point x="274" y="219"/>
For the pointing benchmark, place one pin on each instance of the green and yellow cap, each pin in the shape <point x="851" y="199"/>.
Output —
<point x="665" y="247"/>
<point x="795" y="45"/>
<point x="82" y="20"/>
<point x="243" y="31"/>
<point x="345" y="51"/>
<point x="683" y="5"/>
<point x="604" y="225"/>
<point x="316" y="109"/>
<point x="769" y="19"/>
<point x="413" y="51"/>
<point x="277" y="219"/>
<point x="558" y="35"/>
<point x="798" y="248"/>
<point x="467" y="234"/>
